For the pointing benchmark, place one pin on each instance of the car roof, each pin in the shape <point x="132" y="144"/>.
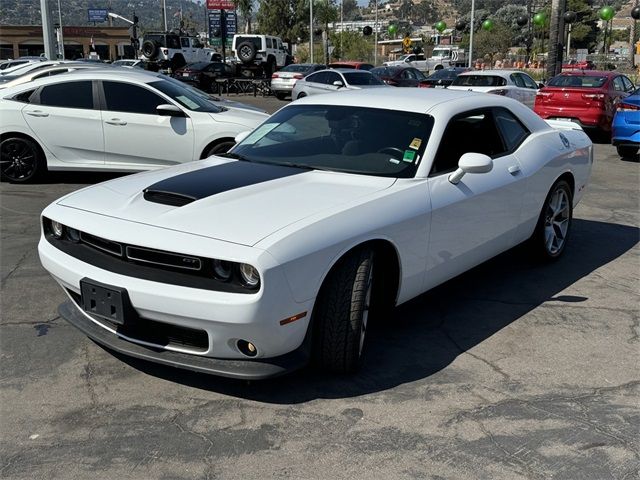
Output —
<point x="601" y="73"/>
<point x="499" y="73"/>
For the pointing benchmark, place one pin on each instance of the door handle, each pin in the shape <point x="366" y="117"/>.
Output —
<point x="115" y="121"/>
<point x="37" y="113"/>
<point x="513" y="169"/>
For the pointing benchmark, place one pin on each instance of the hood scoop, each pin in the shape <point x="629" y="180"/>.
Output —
<point x="188" y="187"/>
<point x="167" y="198"/>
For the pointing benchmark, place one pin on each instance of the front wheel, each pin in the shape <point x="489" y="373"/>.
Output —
<point x="302" y="95"/>
<point x="20" y="160"/>
<point x="221" y="147"/>
<point x="552" y="231"/>
<point x="627" y="151"/>
<point x="342" y="313"/>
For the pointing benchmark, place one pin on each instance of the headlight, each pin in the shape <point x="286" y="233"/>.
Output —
<point x="222" y="270"/>
<point x="57" y="229"/>
<point x="249" y="274"/>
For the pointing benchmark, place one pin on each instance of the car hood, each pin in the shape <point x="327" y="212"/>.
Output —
<point x="240" y="116"/>
<point x="219" y="198"/>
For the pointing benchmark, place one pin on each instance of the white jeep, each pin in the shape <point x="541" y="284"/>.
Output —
<point x="260" y="53"/>
<point x="172" y="50"/>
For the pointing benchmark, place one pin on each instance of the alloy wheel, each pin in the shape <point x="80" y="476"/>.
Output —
<point x="18" y="159"/>
<point x="556" y="223"/>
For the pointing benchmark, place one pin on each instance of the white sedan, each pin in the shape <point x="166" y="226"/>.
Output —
<point x="111" y="119"/>
<point x="509" y="83"/>
<point x="250" y="263"/>
<point x="333" y="80"/>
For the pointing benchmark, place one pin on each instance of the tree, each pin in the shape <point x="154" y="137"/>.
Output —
<point x="349" y="9"/>
<point x="351" y="45"/>
<point x="485" y="43"/>
<point x="508" y="15"/>
<point x="424" y="13"/>
<point x="245" y="8"/>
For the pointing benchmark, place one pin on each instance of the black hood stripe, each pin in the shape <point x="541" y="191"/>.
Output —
<point x="189" y="187"/>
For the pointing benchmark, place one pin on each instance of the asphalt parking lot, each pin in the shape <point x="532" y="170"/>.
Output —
<point x="513" y="370"/>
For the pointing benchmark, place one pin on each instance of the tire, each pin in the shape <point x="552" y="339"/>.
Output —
<point x="554" y="224"/>
<point x="280" y="95"/>
<point x="341" y="315"/>
<point x="301" y="95"/>
<point x="627" y="151"/>
<point x="150" y="49"/>
<point x="246" y="52"/>
<point x="221" y="147"/>
<point x="21" y="160"/>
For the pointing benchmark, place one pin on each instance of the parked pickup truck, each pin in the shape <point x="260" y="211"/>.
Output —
<point x="442" y="57"/>
<point x="415" y="60"/>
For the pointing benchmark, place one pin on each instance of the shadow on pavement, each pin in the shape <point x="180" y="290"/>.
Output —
<point x="428" y="333"/>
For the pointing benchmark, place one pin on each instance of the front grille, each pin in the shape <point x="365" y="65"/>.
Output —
<point x="150" y="331"/>
<point x="101" y="244"/>
<point x="164" y="259"/>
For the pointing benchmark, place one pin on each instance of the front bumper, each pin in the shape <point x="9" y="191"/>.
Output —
<point x="241" y="369"/>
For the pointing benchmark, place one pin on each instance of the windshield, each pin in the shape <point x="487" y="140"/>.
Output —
<point x="185" y="97"/>
<point x="300" y="68"/>
<point x="404" y="57"/>
<point x="578" y="81"/>
<point x="361" y="78"/>
<point x="479" y="81"/>
<point x="368" y="141"/>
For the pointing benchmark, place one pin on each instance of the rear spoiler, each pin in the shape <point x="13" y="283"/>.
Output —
<point x="563" y="125"/>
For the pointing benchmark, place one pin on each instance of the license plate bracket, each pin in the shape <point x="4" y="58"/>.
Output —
<point x="106" y="301"/>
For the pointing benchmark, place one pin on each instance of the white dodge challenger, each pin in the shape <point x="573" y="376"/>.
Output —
<point x="252" y="263"/>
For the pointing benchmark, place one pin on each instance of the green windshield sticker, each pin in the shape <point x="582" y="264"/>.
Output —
<point x="258" y="133"/>
<point x="187" y="102"/>
<point x="409" y="156"/>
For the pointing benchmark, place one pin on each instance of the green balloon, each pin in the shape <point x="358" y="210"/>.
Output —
<point x="606" y="13"/>
<point x="392" y="29"/>
<point x="540" y="19"/>
<point x="487" y="25"/>
<point x="440" y="26"/>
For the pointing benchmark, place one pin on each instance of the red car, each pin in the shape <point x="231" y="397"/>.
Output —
<point x="350" y="64"/>
<point x="578" y="65"/>
<point x="587" y="97"/>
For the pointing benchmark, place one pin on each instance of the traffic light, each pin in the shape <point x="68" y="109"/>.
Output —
<point x="367" y="30"/>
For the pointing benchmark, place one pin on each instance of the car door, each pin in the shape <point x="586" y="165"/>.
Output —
<point x="333" y="77"/>
<point x="316" y="83"/>
<point x="517" y="89"/>
<point x="65" y="118"/>
<point x="530" y="90"/>
<point x="135" y="135"/>
<point x="476" y="218"/>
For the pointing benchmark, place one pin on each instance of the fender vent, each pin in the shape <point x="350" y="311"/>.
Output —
<point x="167" y="198"/>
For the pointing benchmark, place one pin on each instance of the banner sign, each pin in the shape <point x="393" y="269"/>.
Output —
<point x="97" y="14"/>
<point x="220" y="5"/>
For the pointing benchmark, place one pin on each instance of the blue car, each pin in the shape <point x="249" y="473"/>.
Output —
<point x="625" y="130"/>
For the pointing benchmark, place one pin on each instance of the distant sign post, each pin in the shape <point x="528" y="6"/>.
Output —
<point x="97" y="14"/>
<point x="222" y="24"/>
<point x="220" y="5"/>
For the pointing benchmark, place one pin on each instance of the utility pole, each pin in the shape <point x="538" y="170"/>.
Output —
<point x="556" y="34"/>
<point x="164" y="14"/>
<point x="311" y="30"/>
<point x="60" y="35"/>
<point x="48" y="35"/>
<point x="473" y="14"/>
<point x="375" y="37"/>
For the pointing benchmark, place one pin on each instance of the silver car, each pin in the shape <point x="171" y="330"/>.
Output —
<point x="283" y="80"/>
<point x="326" y="81"/>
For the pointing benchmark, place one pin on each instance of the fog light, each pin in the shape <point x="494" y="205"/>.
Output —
<point x="57" y="229"/>
<point x="247" y="348"/>
<point x="73" y="234"/>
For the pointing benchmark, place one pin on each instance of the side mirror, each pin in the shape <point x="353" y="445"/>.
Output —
<point x="167" y="110"/>
<point x="471" y="163"/>
<point x="338" y="84"/>
<point x="242" y="135"/>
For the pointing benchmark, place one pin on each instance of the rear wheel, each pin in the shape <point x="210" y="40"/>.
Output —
<point x="21" y="160"/>
<point x="627" y="151"/>
<point x="341" y="315"/>
<point x="550" y="236"/>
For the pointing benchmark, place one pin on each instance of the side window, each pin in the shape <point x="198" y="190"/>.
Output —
<point x="124" y="97"/>
<point x="628" y="85"/>
<point x="68" y="95"/>
<point x="269" y="43"/>
<point x="173" y="42"/>
<point x="513" y="132"/>
<point x="24" y="96"/>
<point x="473" y="131"/>
<point x="528" y="81"/>
<point x="333" y="77"/>
<point x="408" y="73"/>
<point x="319" y="77"/>
<point x="184" y="41"/>
<point x="366" y="66"/>
<point x="517" y="79"/>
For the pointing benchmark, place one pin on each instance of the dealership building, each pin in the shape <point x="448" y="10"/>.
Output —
<point x="110" y="43"/>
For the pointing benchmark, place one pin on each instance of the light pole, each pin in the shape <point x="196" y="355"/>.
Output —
<point x="164" y="14"/>
<point x="473" y="14"/>
<point x="48" y="36"/>
<point x="311" y="30"/>
<point x="61" y="37"/>
<point x="375" y="37"/>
